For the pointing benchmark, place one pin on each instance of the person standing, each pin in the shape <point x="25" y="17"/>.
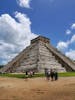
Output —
<point x="56" y="75"/>
<point x="26" y="76"/>
<point x="30" y="73"/>
<point x="47" y="73"/>
<point x="52" y="74"/>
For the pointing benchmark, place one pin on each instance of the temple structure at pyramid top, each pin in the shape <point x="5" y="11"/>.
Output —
<point x="40" y="38"/>
<point x="38" y="56"/>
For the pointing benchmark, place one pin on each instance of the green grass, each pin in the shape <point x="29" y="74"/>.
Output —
<point x="67" y="74"/>
<point x="21" y="75"/>
<point x="13" y="75"/>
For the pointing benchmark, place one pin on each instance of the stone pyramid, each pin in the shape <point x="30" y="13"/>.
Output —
<point x="38" y="56"/>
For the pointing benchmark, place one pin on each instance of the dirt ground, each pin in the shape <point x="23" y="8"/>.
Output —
<point x="37" y="89"/>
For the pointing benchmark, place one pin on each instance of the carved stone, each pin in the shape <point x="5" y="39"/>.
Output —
<point x="38" y="56"/>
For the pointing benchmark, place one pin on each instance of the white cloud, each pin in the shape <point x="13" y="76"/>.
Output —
<point x="72" y="39"/>
<point x="62" y="46"/>
<point x="14" y="35"/>
<point x="68" y="32"/>
<point x="71" y="54"/>
<point x="65" y="46"/>
<point x="24" y="3"/>
<point x="73" y="26"/>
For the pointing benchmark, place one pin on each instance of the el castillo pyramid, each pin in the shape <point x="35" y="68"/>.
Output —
<point x="39" y="55"/>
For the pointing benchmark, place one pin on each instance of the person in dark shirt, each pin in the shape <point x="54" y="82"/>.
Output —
<point x="26" y="72"/>
<point x="26" y="75"/>
<point x="51" y="74"/>
<point x="56" y="75"/>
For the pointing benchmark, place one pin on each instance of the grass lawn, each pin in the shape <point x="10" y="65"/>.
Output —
<point x="67" y="74"/>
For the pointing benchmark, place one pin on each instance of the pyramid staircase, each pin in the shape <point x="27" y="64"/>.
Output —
<point x="39" y="55"/>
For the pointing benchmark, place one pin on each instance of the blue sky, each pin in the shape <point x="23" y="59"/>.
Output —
<point x="23" y="20"/>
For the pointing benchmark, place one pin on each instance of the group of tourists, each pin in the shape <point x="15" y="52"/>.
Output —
<point x="29" y="73"/>
<point x="51" y="74"/>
